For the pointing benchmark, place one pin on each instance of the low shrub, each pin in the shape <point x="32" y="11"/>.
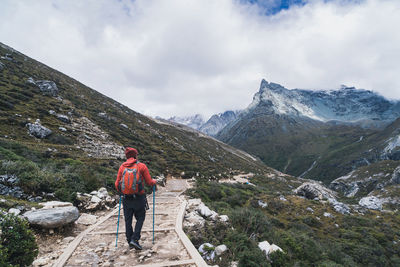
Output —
<point x="17" y="243"/>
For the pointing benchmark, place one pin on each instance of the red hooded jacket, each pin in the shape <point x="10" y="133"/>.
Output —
<point x="143" y="170"/>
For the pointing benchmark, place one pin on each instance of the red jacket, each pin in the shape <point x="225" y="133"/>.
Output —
<point x="143" y="171"/>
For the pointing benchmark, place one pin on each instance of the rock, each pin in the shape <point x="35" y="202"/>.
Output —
<point x="63" y="118"/>
<point x="124" y="125"/>
<point x="204" y="211"/>
<point x="282" y="198"/>
<point x="47" y="87"/>
<point x="31" y="81"/>
<point x="95" y="199"/>
<point x="207" y="251"/>
<point x="37" y="130"/>
<point x="41" y="262"/>
<point x="371" y="202"/>
<point x="339" y="206"/>
<point x="161" y="180"/>
<point x="274" y="248"/>
<point x="223" y="218"/>
<point x="2" y="66"/>
<point x="327" y="214"/>
<point x="262" y="204"/>
<point x="62" y="129"/>
<point x="86" y="219"/>
<point x="16" y="212"/>
<point x="193" y="219"/>
<point x="396" y="176"/>
<point x="52" y="218"/>
<point x="310" y="209"/>
<point x="264" y="246"/>
<point x="219" y="250"/>
<point x="55" y="204"/>
<point x="102" y="193"/>
<point x="314" y="191"/>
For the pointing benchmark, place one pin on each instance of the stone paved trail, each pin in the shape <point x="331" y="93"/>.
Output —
<point x="96" y="245"/>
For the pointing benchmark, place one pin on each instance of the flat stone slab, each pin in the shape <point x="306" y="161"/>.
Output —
<point x="52" y="218"/>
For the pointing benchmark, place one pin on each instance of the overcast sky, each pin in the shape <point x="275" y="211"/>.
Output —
<point x="181" y="57"/>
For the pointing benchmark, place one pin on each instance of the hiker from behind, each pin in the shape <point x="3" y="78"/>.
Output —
<point x="130" y="183"/>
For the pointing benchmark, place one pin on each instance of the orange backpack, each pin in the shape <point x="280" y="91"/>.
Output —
<point x="131" y="182"/>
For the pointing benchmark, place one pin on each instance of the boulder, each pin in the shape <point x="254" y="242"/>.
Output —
<point x="193" y="219"/>
<point x="219" y="250"/>
<point x="339" y="206"/>
<point x="223" y="218"/>
<point x="41" y="262"/>
<point x="16" y="212"/>
<point x="329" y="215"/>
<point x="30" y="80"/>
<point x="207" y="251"/>
<point x="264" y="246"/>
<point x="63" y="118"/>
<point x="315" y="191"/>
<point x="87" y="219"/>
<point x="102" y="193"/>
<point x="274" y="248"/>
<point x="47" y="87"/>
<point x="262" y="204"/>
<point x="38" y="130"/>
<point x="371" y="202"/>
<point x="52" y="218"/>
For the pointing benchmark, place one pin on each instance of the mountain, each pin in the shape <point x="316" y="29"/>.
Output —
<point x="60" y="135"/>
<point x="218" y="122"/>
<point x="195" y="121"/>
<point x="316" y="134"/>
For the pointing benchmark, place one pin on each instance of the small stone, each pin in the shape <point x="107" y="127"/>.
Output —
<point x="51" y="231"/>
<point x="16" y="212"/>
<point x="219" y="250"/>
<point x="41" y="262"/>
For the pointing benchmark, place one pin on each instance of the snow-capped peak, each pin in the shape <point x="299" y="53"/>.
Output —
<point x="346" y="104"/>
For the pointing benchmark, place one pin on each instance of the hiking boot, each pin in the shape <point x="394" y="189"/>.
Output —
<point x="135" y="244"/>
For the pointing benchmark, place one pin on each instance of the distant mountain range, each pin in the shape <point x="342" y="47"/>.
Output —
<point x="210" y="127"/>
<point x="316" y="134"/>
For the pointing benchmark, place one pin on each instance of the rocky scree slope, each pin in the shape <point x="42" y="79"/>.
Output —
<point x="319" y="135"/>
<point x="57" y="125"/>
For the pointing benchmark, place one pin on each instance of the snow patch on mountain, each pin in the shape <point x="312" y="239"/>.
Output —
<point x="347" y="104"/>
<point x="195" y="121"/>
<point x="218" y="121"/>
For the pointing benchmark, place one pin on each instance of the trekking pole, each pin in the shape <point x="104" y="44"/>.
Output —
<point x="154" y="206"/>
<point x="119" y="210"/>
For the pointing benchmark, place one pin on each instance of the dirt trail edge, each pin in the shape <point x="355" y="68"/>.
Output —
<point x="96" y="245"/>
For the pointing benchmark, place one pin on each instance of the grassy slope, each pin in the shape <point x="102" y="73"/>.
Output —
<point x="164" y="148"/>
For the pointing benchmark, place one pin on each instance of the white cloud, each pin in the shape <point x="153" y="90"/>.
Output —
<point x="180" y="57"/>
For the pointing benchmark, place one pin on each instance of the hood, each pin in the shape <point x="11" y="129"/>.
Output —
<point x="130" y="162"/>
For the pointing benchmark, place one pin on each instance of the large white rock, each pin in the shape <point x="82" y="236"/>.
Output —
<point x="223" y="218"/>
<point x="55" y="204"/>
<point x="274" y="248"/>
<point x="264" y="246"/>
<point x="193" y="219"/>
<point x="102" y="193"/>
<point x="219" y="250"/>
<point x="262" y="204"/>
<point x="371" y="202"/>
<point x="87" y="219"/>
<point x="316" y="191"/>
<point x="204" y="210"/>
<point x="52" y="218"/>
<point x="41" y="262"/>
<point x="38" y="130"/>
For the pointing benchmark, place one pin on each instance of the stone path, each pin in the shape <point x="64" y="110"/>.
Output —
<point x="96" y="245"/>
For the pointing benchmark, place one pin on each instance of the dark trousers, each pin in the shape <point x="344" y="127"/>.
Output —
<point x="134" y="206"/>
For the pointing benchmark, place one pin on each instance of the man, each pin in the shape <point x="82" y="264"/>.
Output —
<point x="130" y="183"/>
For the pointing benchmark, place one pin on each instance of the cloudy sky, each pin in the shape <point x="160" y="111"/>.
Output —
<point x="180" y="57"/>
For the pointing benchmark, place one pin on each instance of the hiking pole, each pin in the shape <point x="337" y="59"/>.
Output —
<point x="154" y="206"/>
<point x="119" y="210"/>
